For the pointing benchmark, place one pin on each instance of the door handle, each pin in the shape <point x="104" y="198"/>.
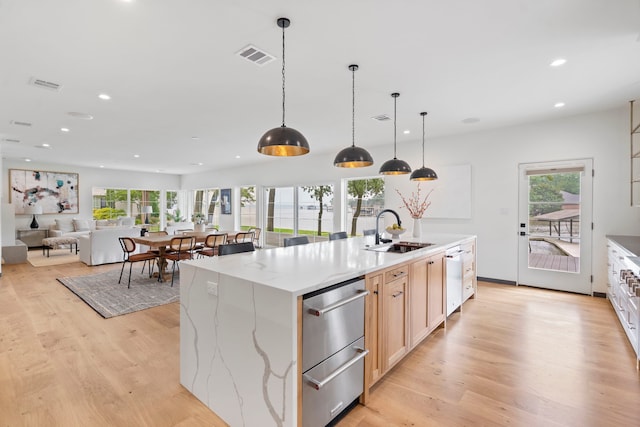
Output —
<point x="320" y="311"/>
<point x="523" y="233"/>
<point x="318" y="384"/>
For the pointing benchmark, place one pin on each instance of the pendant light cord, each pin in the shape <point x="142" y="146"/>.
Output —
<point x="395" y="99"/>
<point x="424" y="114"/>
<point x="283" y="93"/>
<point x="353" y="107"/>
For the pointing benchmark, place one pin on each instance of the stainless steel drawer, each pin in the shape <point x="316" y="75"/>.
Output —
<point x="331" y="320"/>
<point x="321" y="401"/>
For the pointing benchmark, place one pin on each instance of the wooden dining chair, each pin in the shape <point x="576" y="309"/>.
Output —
<point x="235" y="248"/>
<point x="297" y="240"/>
<point x="338" y="235"/>
<point x="128" y="248"/>
<point x="256" y="236"/>
<point x="245" y="236"/>
<point x="211" y="244"/>
<point x="181" y="249"/>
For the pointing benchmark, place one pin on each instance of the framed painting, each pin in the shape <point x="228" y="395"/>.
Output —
<point x="54" y="192"/>
<point x="225" y="201"/>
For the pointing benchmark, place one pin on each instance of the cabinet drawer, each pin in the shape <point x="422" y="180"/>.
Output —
<point x="396" y="273"/>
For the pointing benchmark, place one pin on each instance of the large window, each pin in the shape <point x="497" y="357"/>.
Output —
<point x="206" y="207"/>
<point x="248" y="212"/>
<point x="141" y="201"/>
<point x="364" y="200"/>
<point x="315" y="211"/>
<point x="109" y="203"/>
<point x="280" y="215"/>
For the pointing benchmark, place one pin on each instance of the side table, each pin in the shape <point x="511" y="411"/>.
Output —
<point x="32" y="237"/>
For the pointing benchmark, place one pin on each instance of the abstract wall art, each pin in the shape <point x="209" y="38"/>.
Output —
<point x="55" y="192"/>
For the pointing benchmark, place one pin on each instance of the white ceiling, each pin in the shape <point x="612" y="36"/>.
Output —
<point x="172" y="71"/>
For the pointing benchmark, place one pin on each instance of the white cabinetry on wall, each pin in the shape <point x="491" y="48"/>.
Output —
<point x="623" y="289"/>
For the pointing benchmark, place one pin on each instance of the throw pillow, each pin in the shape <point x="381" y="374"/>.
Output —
<point x="64" y="225"/>
<point x="102" y="223"/>
<point x="81" y="225"/>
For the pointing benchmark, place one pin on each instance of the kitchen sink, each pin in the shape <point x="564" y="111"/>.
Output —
<point x="399" y="248"/>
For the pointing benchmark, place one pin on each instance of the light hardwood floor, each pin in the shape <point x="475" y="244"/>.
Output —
<point x="516" y="356"/>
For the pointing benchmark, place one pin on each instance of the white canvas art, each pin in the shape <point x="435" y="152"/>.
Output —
<point x="55" y="192"/>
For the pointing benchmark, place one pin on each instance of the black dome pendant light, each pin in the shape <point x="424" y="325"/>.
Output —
<point x="283" y="141"/>
<point x="395" y="166"/>
<point x="353" y="157"/>
<point x="423" y="174"/>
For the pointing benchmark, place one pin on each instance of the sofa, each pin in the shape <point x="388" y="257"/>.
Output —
<point x="74" y="227"/>
<point x="102" y="246"/>
<point x="173" y="227"/>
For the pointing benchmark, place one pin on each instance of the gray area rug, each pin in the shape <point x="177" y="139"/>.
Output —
<point x="103" y="293"/>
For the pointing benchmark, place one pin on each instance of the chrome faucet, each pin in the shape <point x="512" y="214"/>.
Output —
<point x="378" y="221"/>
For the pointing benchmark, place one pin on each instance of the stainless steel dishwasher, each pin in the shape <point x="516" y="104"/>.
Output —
<point x="332" y="350"/>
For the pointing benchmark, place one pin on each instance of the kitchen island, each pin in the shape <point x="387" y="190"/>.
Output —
<point x="239" y="317"/>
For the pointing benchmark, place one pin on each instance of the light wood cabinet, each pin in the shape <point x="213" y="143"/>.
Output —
<point x="418" y="313"/>
<point x="394" y="321"/>
<point x="469" y="278"/>
<point x="436" y="291"/>
<point x="372" y="332"/>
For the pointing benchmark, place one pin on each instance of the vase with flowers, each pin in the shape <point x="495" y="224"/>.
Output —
<point x="416" y="205"/>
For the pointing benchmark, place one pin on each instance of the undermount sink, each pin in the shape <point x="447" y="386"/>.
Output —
<point x="399" y="248"/>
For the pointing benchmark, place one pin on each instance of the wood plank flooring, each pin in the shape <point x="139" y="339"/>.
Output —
<point x="515" y="356"/>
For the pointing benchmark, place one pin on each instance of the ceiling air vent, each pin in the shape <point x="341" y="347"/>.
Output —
<point x="16" y="141"/>
<point x="381" y="118"/>
<point x="18" y="123"/>
<point x="45" y="84"/>
<point x="255" y="55"/>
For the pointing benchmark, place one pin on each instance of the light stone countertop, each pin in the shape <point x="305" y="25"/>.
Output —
<point x="306" y="268"/>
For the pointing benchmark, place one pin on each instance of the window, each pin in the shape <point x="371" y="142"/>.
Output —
<point x="280" y="215"/>
<point x="364" y="199"/>
<point x="248" y="212"/>
<point x="315" y="211"/>
<point x="206" y="206"/>
<point x="139" y="200"/>
<point x="109" y="203"/>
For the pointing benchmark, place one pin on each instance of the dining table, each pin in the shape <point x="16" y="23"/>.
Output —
<point x="161" y="242"/>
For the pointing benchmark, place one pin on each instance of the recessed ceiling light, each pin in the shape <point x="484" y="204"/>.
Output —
<point x="237" y="157"/>
<point x="136" y="155"/>
<point x="102" y="166"/>
<point x="407" y="132"/>
<point x="46" y="145"/>
<point x="27" y="160"/>
<point x="104" y="96"/>
<point x="197" y="164"/>
<point x="195" y="138"/>
<point x="64" y="129"/>
<point x="559" y="104"/>
<point x="558" y="62"/>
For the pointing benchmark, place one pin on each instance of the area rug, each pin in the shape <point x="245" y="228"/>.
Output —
<point x="56" y="257"/>
<point x="103" y="293"/>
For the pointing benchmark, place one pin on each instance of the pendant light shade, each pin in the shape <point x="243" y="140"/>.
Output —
<point x="423" y="173"/>
<point x="283" y="140"/>
<point x="395" y="166"/>
<point x="353" y="157"/>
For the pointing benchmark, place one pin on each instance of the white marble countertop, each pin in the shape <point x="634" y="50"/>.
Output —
<point x="305" y="268"/>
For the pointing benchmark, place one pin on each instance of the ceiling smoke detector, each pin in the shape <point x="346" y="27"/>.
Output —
<point x="381" y="118"/>
<point x="44" y="84"/>
<point x="255" y="55"/>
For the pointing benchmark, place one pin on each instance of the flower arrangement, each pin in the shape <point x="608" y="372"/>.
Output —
<point x="415" y="205"/>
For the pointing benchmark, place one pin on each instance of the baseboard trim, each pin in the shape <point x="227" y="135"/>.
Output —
<point x="500" y="281"/>
<point x="600" y="294"/>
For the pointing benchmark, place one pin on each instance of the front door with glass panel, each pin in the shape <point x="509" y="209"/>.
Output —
<point x="554" y="250"/>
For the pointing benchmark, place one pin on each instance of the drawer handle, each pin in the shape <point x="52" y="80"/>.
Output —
<point x="399" y="273"/>
<point x="318" y="384"/>
<point x="397" y="294"/>
<point x="320" y="311"/>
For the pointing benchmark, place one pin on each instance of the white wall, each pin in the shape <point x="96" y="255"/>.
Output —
<point x="494" y="157"/>
<point x="88" y="178"/>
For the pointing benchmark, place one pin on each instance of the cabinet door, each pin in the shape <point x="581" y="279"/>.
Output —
<point x="394" y="322"/>
<point x="373" y="365"/>
<point x="436" y="302"/>
<point x="469" y="282"/>
<point x="418" y="319"/>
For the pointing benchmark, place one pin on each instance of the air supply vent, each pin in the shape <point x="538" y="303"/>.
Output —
<point x="381" y="118"/>
<point x="255" y="55"/>
<point x="15" y="141"/>
<point x="44" y="84"/>
<point x="19" y="123"/>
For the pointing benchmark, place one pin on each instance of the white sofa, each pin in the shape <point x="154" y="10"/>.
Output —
<point x="74" y="227"/>
<point x="102" y="246"/>
<point x="173" y="227"/>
